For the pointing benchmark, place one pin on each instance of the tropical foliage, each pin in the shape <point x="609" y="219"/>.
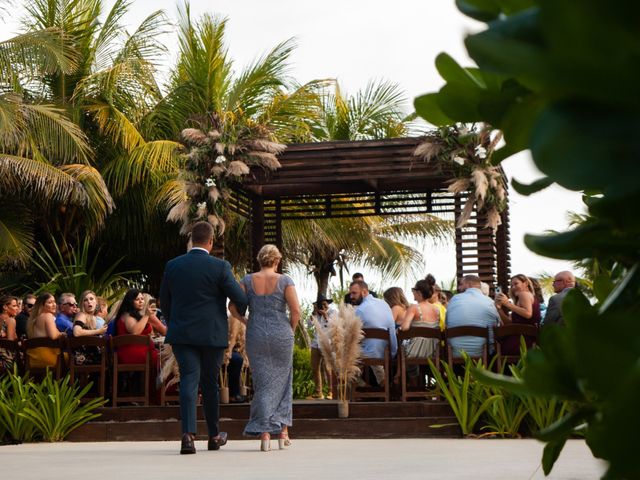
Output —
<point x="47" y="410"/>
<point x="554" y="77"/>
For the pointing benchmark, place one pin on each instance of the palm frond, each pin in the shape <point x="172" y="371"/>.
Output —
<point x="25" y="128"/>
<point x="259" y="81"/>
<point x="36" y="53"/>
<point x="115" y="125"/>
<point x="97" y="203"/>
<point x="149" y="161"/>
<point x="16" y="233"/>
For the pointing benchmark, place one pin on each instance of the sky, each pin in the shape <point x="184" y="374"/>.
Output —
<point x="356" y="41"/>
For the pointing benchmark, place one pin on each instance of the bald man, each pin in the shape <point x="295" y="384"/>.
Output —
<point x="562" y="283"/>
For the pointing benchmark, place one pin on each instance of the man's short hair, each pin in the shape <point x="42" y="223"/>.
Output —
<point x="356" y="276"/>
<point x="64" y="296"/>
<point x="472" y="280"/>
<point x="361" y="283"/>
<point x="201" y="233"/>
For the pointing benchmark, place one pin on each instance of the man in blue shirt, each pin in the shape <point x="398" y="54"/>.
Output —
<point x="471" y="308"/>
<point x="67" y="309"/>
<point x="374" y="313"/>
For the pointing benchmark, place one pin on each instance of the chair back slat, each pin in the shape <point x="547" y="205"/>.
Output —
<point x="125" y="340"/>
<point x="515" y="329"/>
<point x="44" y="342"/>
<point x="377" y="333"/>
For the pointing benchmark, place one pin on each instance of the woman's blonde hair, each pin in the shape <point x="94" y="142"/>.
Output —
<point x="268" y="255"/>
<point x="395" y="296"/>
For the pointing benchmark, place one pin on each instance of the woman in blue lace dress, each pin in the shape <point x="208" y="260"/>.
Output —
<point x="269" y="346"/>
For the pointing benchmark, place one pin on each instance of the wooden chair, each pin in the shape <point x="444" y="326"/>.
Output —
<point x="513" y="329"/>
<point x="118" y="368"/>
<point x="417" y="332"/>
<point x="44" y="342"/>
<point x="381" y="334"/>
<point x="467" y="331"/>
<point x="83" y="371"/>
<point x="13" y="348"/>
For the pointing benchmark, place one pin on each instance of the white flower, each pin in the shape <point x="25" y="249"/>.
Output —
<point x="481" y="152"/>
<point x="202" y="205"/>
<point x="459" y="160"/>
<point x="220" y="159"/>
<point x="209" y="182"/>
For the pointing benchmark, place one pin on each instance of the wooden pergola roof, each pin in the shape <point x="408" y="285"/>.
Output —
<point x="360" y="178"/>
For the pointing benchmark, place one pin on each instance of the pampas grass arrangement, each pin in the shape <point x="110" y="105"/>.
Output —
<point x="339" y="343"/>
<point x="468" y="152"/>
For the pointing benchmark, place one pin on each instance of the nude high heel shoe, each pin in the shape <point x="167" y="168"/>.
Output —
<point x="265" y="442"/>
<point x="283" y="440"/>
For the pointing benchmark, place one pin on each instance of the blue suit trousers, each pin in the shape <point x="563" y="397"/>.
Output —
<point x="199" y="365"/>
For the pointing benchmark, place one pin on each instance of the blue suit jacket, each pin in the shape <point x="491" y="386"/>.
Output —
<point x="194" y="296"/>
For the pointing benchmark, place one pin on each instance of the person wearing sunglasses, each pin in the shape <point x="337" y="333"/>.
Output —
<point x="28" y="302"/>
<point x="67" y="309"/>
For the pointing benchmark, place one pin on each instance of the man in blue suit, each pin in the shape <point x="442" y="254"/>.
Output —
<point x="193" y="297"/>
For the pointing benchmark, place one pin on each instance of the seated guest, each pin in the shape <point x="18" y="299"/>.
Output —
<point x="562" y="283"/>
<point x="42" y="324"/>
<point x="322" y="314"/>
<point x="537" y="294"/>
<point x="67" y="309"/>
<point x="470" y="308"/>
<point x="435" y="299"/>
<point x="85" y="322"/>
<point x="421" y="314"/>
<point x="445" y="297"/>
<point x="9" y="306"/>
<point x="85" y="325"/>
<point x="159" y="328"/>
<point x="355" y="278"/>
<point x="235" y="357"/>
<point x="374" y="313"/>
<point x="101" y="312"/>
<point x="523" y="308"/>
<point x="23" y="317"/>
<point x="395" y="298"/>
<point x="132" y="318"/>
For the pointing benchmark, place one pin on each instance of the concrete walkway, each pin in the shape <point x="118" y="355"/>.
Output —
<point x="306" y="459"/>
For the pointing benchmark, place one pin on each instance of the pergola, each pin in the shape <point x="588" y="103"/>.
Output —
<point x="362" y="178"/>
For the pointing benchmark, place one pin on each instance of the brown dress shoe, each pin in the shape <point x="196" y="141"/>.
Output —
<point x="187" y="446"/>
<point x="216" y="442"/>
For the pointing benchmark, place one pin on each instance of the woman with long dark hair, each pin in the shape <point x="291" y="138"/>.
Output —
<point x="133" y="319"/>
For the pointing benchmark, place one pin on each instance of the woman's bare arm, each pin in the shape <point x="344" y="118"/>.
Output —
<point x="291" y="296"/>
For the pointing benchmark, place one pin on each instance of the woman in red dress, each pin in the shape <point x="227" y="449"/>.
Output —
<point x="133" y="319"/>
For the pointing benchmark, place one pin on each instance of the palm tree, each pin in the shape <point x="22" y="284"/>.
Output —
<point x="45" y="159"/>
<point x="228" y="120"/>
<point x="375" y="112"/>
<point x="372" y="113"/>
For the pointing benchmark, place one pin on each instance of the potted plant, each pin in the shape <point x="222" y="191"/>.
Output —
<point x="340" y="346"/>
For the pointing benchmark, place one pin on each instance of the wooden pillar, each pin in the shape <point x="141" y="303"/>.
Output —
<point x="257" y="229"/>
<point x="503" y="244"/>
<point x="278" y="225"/>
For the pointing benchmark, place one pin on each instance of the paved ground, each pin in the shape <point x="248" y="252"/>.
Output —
<point x="306" y="459"/>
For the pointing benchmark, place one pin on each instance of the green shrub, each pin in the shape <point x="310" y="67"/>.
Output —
<point x="467" y="398"/>
<point x="15" y="396"/>
<point x="303" y="384"/>
<point x="49" y="410"/>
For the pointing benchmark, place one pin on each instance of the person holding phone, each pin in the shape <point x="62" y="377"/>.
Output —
<point x="322" y="313"/>
<point x="521" y="307"/>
